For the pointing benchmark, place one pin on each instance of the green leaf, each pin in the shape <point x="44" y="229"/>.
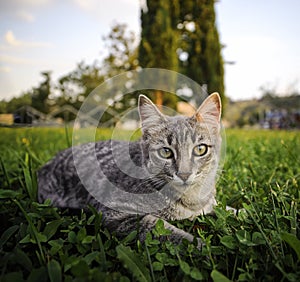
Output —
<point x="130" y="237"/>
<point x="72" y="237"/>
<point x="196" y="274"/>
<point x="165" y="259"/>
<point x="185" y="267"/>
<point x="70" y="262"/>
<point x="40" y="238"/>
<point x="22" y="259"/>
<point x="293" y="241"/>
<point x="133" y="263"/>
<point x="13" y="277"/>
<point x="88" y="239"/>
<point x="218" y="276"/>
<point x="91" y="219"/>
<point x="229" y="242"/>
<point x="7" y="234"/>
<point x="157" y="266"/>
<point x="37" y="274"/>
<point x="8" y="194"/>
<point x="81" y="234"/>
<point x="80" y="269"/>
<point x="162" y="257"/>
<point x="244" y="238"/>
<point x="54" y="271"/>
<point x="51" y="228"/>
<point x="91" y="256"/>
<point x="258" y="238"/>
<point x="160" y="229"/>
<point x="26" y="239"/>
<point x="56" y="245"/>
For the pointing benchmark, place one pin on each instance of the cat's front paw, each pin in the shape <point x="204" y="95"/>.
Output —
<point x="200" y="244"/>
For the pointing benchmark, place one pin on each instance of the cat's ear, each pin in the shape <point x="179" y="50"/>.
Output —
<point x="149" y="113"/>
<point x="210" y="110"/>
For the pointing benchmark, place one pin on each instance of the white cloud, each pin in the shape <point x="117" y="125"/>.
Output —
<point x="11" y="40"/>
<point x="14" y="60"/>
<point x="106" y="12"/>
<point x="17" y="4"/>
<point x="34" y="2"/>
<point x="23" y="10"/>
<point x="87" y="5"/>
<point x="8" y="61"/>
<point x="25" y="16"/>
<point x="5" y="69"/>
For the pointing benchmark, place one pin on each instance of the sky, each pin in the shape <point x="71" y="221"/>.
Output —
<point x="261" y="41"/>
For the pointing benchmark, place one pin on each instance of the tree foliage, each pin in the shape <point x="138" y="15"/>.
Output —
<point x="122" y="51"/>
<point x="200" y="48"/>
<point x="158" y="36"/>
<point x="159" y="41"/>
<point x="40" y="95"/>
<point x="181" y="35"/>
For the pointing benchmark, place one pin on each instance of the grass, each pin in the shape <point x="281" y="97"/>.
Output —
<point x="261" y="174"/>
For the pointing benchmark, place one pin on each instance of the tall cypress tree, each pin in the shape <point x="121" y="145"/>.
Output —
<point x="201" y="58"/>
<point x="184" y="28"/>
<point x="159" y="37"/>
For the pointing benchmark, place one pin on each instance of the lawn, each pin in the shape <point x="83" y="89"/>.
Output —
<point x="261" y="175"/>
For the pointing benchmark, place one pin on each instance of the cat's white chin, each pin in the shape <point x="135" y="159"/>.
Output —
<point x="181" y="186"/>
<point x="177" y="181"/>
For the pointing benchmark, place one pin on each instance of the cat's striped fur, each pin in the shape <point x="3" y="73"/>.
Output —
<point x="180" y="153"/>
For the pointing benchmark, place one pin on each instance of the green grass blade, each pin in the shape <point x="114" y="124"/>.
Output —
<point x="34" y="231"/>
<point x="133" y="263"/>
<point x="68" y="140"/>
<point x="292" y="241"/>
<point x="54" y="271"/>
<point x="7" y="234"/>
<point x="150" y="263"/>
<point x="102" y="253"/>
<point x="4" y="172"/>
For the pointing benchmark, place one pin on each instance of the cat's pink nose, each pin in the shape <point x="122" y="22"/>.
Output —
<point x="184" y="176"/>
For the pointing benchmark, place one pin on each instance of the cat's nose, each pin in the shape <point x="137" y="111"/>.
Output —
<point x="184" y="176"/>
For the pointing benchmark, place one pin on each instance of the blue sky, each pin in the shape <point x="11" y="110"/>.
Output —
<point x="261" y="37"/>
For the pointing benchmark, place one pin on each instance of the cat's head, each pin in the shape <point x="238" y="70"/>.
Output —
<point x="182" y="150"/>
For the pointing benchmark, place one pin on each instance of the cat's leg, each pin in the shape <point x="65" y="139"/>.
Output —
<point x="148" y="223"/>
<point x="228" y="208"/>
<point x="123" y="224"/>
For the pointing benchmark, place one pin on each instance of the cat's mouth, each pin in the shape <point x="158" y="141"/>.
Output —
<point x="181" y="187"/>
<point x="176" y="181"/>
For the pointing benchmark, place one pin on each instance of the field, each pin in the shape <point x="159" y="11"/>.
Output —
<point x="261" y="175"/>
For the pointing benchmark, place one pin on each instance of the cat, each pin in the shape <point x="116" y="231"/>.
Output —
<point x="177" y="155"/>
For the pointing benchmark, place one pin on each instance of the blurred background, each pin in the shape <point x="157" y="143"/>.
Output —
<point x="54" y="53"/>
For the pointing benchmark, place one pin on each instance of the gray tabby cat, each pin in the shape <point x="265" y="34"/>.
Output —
<point x="179" y="155"/>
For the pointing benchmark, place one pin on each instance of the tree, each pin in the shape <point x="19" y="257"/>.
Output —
<point x="18" y="102"/>
<point x="122" y="51"/>
<point x="159" y="38"/>
<point x="3" y="106"/>
<point x="41" y="94"/>
<point x="78" y="84"/>
<point x="199" y="48"/>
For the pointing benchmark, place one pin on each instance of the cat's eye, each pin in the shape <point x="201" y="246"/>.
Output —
<point x="165" y="153"/>
<point x="200" y="150"/>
